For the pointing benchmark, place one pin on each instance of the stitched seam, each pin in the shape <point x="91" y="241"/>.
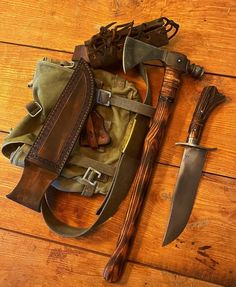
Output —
<point x="72" y="137"/>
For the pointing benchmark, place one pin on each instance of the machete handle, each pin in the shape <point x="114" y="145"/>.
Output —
<point x="115" y="265"/>
<point x="209" y="99"/>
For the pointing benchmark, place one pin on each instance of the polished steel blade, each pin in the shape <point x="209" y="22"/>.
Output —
<point x="136" y="52"/>
<point x="185" y="191"/>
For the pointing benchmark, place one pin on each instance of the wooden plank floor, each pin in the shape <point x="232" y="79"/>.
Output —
<point x="205" y="253"/>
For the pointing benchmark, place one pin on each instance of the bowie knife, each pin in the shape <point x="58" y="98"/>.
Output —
<point x="191" y="166"/>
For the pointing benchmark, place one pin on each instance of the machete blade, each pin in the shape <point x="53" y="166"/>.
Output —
<point x="185" y="191"/>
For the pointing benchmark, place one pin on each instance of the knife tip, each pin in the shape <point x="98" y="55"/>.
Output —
<point x="170" y="236"/>
<point x="165" y="242"/>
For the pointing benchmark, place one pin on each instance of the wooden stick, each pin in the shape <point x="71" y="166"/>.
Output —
<point x="152" y="144"/>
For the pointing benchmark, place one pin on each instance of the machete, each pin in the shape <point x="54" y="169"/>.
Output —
<point x="191" y="166"/>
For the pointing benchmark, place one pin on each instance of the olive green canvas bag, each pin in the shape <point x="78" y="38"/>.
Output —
<point x="108" y="169"/>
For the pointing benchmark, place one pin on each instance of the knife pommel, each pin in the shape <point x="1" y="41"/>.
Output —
<point x="209" y="99"/>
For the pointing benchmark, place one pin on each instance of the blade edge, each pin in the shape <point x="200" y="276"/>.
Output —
<point x="191" y="167"/>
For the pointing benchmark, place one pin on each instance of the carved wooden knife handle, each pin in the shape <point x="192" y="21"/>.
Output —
<point x="209" y="99"/>
<point x="171" y="83"/>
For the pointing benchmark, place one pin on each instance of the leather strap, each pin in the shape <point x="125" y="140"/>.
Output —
<point x="87" y="162"/>
<point x="106" y="210"/>
<point x="107" y="98"/>
<point x="56" y="139"/>
<point x="126" y="169"/>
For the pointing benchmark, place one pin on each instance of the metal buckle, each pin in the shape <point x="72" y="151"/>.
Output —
<point x="91" y="175"/>
<point x="69" y="65"/>
<point x="34" y="108"/>
<point x="103" y="97"/>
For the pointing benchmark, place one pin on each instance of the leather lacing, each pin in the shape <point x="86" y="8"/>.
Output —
<point x="107" y="38"/>
<point x="170" y="25"/>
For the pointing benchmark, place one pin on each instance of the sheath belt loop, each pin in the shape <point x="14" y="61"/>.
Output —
<point x="33" y="108"/>
<point x="106" y="98"/>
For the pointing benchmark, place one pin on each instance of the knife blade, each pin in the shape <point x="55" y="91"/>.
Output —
<point x="191" y="167"/>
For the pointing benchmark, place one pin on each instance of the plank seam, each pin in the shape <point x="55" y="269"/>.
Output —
<point x="104" y="254"/>
<point x="174" y="166"/>
<point x="69" y="52"/>
<point x="206" y="73"/>
<point x="4" y="132"/>
<point x="36" y="47"/>
<point x="204" y="172"/>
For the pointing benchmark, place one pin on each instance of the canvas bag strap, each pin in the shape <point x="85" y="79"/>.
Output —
<point x="128" y="161"/>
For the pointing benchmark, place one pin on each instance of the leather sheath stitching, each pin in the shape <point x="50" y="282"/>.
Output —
<point x="71" y="139"/>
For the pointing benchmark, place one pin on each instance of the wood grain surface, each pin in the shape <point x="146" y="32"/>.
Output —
<point x="61" y="265"/>
<point x="30" y="254"/>
<point x="208" y="25"/>
<point x="211" y="225"/>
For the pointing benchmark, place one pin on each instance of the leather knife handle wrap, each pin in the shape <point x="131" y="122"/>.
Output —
<point x="209" y="99"/>
<point x="152" y="144"/>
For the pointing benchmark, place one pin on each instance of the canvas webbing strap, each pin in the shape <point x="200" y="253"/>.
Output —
<point x="56" y="139"/>
<point x="124" y="174"/>
<point x="107" y="98"/>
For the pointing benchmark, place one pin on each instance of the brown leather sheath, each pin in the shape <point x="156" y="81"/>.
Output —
<point x="56" y="139"/>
